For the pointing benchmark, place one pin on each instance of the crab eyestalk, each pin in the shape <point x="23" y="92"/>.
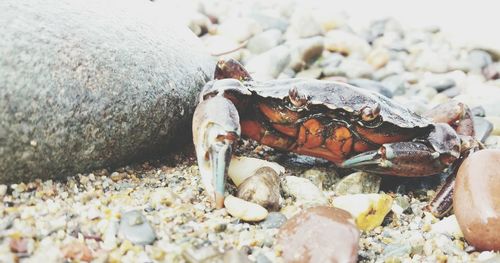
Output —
<point x="215" y="128"/>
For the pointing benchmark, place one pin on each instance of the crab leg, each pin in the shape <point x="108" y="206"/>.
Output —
<point x="459" y="116"/>
<point x="215" y="129"/>
<point x="442" y="202"/>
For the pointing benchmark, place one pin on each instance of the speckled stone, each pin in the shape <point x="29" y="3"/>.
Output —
<point x="87" y="84"/>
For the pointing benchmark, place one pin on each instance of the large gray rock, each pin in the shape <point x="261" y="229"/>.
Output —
<point x="89" y="84"/>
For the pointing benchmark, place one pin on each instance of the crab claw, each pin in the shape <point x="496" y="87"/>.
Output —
<point x="215" y="128"/>
<point x="415" y="158"/>
<point x="402" y="159"/>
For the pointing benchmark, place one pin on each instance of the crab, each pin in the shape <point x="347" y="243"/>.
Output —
<point x="349" y="126"/>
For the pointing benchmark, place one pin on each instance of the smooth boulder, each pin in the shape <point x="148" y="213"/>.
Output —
<point x="476" y="199"/>
<point x="92" y="84"/>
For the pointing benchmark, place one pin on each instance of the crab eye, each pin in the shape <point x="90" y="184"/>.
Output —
<point x="298" y="99"/>
<point x="369" y="113"/>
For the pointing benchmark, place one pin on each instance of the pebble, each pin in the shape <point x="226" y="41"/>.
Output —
<point x="397" y="84"/>
<point x="319" y="178"/>
<point x="333" y="71"/>
<point x="163" y="197"/>
<point x="482" y="128"/>
<point x="452" y="92"/>
<point x="264" y="41"/>
<point x="199" y="23"/>
<point x="262" y="188"/>
<point x="244" y="210"/>
<point x="475" y="93"/>
<point x="358" y="183"/>
<point x="488" y="257"/>
<point x="19" y="245"/>
<point x="270" y="64"/>
<point x="476" y="199"/>
<point x="243" y="167"/>
<point x="221" y="44"/>
<point x="305" y="51"/>
<point x="261" y="258"/>
<point x="268" y="21"/>
<point x="346" y="43"/>
<point x="304" y="191"/>
<point x="330" y="60"/>
<point x="235" y="256"/>
<point x="440" y="98"/>
<point x="135" y="227"/>
<point x="441" y="85"/>
<point x="109" y="234"/>
<point x="447" y="225"/>
<point x="303" y="25"/>
<point x="492" y="72"/>
<point x="274" y="220"/>
<point x="3" y="190"/>
<point x="329" y="20"/>
<point x="495" y="121"/>
<point x="77" y="251"/>
<point x="378" y="57"/>
<point x="312" y="73"/>
<point x="239" y="29"/>
<point x="354" y="68"/>
<point x="371" y="85"/>
<point x="428" y="59"/>
<point x="203" y="254"/>
<point x="393" y="67"/>
<point x="396" y="250"/>
<point x="368" y="210"/>
<point x="381" y="27"/>
<point x="492" y="142"/>
<point x="478" y="59"/>
<point x="400" y="204"/>
<point x="319" y="234"/>
<point x="427" y="93"/>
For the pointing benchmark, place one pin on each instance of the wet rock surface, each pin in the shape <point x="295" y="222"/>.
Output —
<point x="319" y="234"/>
<point x="477" y="200"/>
<point x="87" y="85"/>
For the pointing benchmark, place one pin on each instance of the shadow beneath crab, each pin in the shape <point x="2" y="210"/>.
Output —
<point x="417" y="185"/>
<point x="297" y="164"/>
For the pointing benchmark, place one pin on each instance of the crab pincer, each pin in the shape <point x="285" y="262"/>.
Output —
<point x="216" y="127"/>
<point x="213" y="137"/>
<point x="412" y="158"/>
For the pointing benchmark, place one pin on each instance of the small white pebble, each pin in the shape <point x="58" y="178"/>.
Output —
<point x="447" y="225"/>
<point x="3" y="190"/>
<point x="244" y="210"/>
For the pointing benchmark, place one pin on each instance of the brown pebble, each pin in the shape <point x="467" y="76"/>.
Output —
<point x="77" y="251"/>
<point x="319" y="234"/>
<point x="477" y="199"/>
<point x="262" y="188"/>
<point x="19" y="245"/>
